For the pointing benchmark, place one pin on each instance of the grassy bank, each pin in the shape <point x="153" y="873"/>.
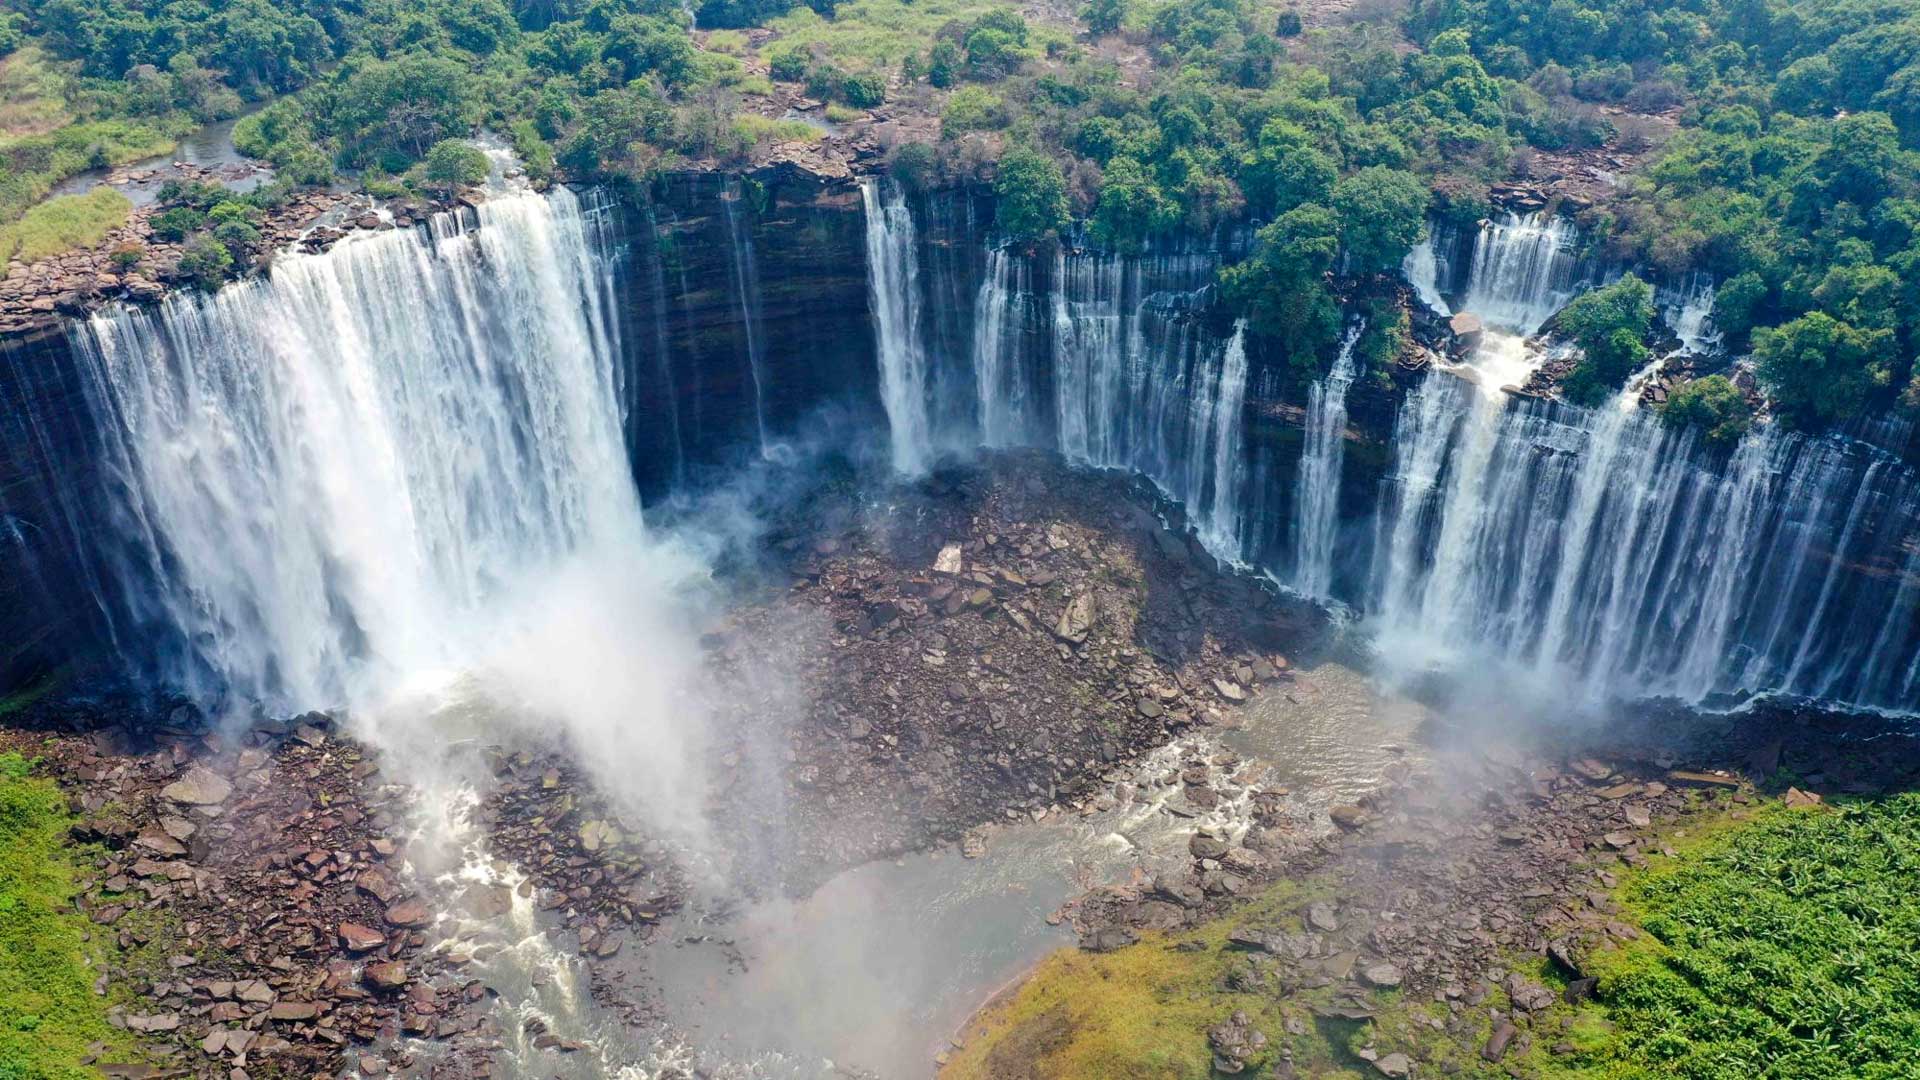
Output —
<point x="63" y="224"/>
<point x="49" y="952"/>
<point x="1774" y="942"/>
<point x="51" y="128"/>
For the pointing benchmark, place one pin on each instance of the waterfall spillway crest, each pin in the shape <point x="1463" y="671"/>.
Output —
<point x="1523" y="270"/>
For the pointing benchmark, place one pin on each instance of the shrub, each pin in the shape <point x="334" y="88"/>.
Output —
<point x="973" y="108"/>
<point x="452" y="163"/>
<point x="915" y="165"/>
<point x="1712" y="404"/>
<point x="787" y="65"/>
<point x="127" y="256"/>
<point x="177" y="223"/>
<point x="1288" y="25"/>
<point x="206" y="262"/>
<point x="943" y="64"/>
<point x="865" y="90"/>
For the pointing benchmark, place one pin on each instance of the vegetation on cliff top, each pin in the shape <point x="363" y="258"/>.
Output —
<point x="49" y="952"/>
<point x="1792" y="179"/>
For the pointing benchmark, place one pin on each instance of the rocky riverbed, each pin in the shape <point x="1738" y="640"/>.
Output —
<point x="952" y="666"/>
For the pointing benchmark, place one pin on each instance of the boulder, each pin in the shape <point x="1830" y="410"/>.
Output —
<point x="391" y="975"/>
<point x="201" y="786"/>
<point x="359" y="938"/>
<point x="1076" y="619"/>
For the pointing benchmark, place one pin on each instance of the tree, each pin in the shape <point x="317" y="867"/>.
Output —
<point x="1383" y="213"/>
<point x="996" y="44"/>
<point x="1032" y="195"/>
<point x="1131" y="208"/>
<point x="1712" y="404"/>
<point x="643" y="44"/>
<point x="452" y="164"/>
<point x="1287" y="168"/>
<point x="1104" y="17"/>
<point x="1610" y="326"/>
<point x="390" y="112"/>
<point x="1818" y="369"/>
<point x="1282" y="286"/>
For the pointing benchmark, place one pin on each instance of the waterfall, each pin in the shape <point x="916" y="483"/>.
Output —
<point x="1603" y="552"/>
<point x="663" y="355"/>
<point x="893" y="278"/>
<point x="746" y="282"/>
<point x="998" y="329"/>
<point x="331" y="477"/>
<point x="1423" y="271"/>
<point x="1688" y="311"/>
<point x="1524" y="269"/>
<point x="1316" y="515"/>
<point x="1220" y="529"/>
<point x="1136" y="380"/>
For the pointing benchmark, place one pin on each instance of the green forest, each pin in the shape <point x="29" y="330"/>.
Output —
<point x="1778" y="136"/>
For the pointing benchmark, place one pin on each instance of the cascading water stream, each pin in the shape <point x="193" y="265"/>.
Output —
<point x="746" y="291"/>
<point x="997" y="330"/>
<point x="1603" y="552"/>
<point x="1316" y="516"/>
<point x="893" y="280"/>
<point x="1524" y="269"/>
<point x="331" y="469"/>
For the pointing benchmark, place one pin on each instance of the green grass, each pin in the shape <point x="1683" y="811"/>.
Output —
<point x="1783" y="948"/>
<point x="31" y="165"/>
<point x="65" y="223"/>
<point x="1139" y="1013"/>
<point x="33" y="94"/>
<point x="760" y="129"/>
<point x="49" y="1014"/>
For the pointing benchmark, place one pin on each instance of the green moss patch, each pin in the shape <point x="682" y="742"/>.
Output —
<point x="49" y="952"/>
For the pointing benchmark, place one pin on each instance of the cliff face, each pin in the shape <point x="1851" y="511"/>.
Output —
<point x="50" y="510"/>
<point x="744" y="320"/>
<point x="745" y="326"/>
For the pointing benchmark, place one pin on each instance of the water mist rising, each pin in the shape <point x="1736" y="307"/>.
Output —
<point x="393" y="474"/>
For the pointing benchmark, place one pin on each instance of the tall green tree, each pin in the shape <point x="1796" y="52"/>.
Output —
<point x="1032" y="194"/>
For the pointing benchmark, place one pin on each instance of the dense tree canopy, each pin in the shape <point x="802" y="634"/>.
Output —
<point x="1783" y="136"/>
